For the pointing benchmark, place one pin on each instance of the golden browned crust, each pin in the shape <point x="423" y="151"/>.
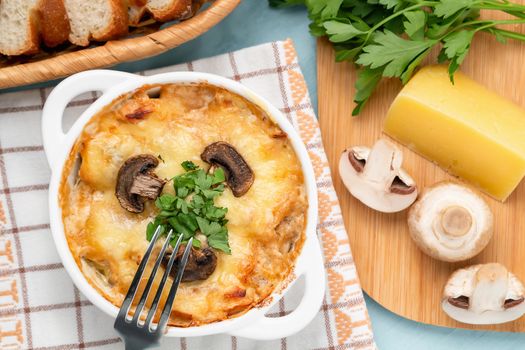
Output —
<point x="54" y="23"/>
<point x="179" y="9"/>
<point x="266" y="226"/>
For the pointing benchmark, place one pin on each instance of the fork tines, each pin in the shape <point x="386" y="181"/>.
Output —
<point x="130" y="327"/>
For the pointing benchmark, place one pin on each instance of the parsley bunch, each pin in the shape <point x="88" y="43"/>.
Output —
<point x="390" y="38"/>
<point x="192" y="208"/>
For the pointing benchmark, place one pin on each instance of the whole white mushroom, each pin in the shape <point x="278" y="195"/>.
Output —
<point x="450" y="222"/>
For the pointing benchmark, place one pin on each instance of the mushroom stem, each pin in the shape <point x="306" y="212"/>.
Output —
<point x="147" y="186"/>
<point x="137" y="182"/>
<point x="456" y="221"/>
<point x="491" y="288"/>
<point x="383" y="163"/>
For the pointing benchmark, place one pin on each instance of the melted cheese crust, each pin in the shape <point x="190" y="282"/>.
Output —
<point x="266" y="225"/>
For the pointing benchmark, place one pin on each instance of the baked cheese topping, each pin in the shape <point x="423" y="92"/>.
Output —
<point x="176" y="122"/>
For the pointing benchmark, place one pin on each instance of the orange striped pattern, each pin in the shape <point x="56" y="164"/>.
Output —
<point x="3" y="219"/>
<point x="352" y="323"/>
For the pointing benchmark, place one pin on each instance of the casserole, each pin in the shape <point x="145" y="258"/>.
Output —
<point x="252" y="324"/>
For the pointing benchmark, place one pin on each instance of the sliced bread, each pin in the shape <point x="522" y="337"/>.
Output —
<point x="98" y="20"/>
<point x="136" y="11"/>
<point x="54" y="23"/>
<point x="18" y="27"/>
<point x="160" y="10"/>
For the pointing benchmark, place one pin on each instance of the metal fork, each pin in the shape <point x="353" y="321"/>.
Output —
<point x="138" y="336"/>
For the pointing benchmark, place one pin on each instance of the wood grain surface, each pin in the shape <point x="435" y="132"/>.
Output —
<point x="116" y="51"/>
<point x="393" y="271"/>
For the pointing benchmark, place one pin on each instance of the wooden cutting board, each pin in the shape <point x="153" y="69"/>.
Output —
<point x="393" y="271"/>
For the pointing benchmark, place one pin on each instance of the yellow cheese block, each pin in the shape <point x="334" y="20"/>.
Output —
<point x="468" y="130"/>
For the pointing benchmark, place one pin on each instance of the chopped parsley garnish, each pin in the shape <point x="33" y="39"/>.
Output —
<point x="192" y="209"/>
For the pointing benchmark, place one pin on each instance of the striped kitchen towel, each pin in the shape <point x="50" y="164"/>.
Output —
<point x="39" y="306"/>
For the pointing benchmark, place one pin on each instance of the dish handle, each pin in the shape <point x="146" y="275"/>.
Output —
<point x="269" y="328"/>
<point x="53" y="112"/>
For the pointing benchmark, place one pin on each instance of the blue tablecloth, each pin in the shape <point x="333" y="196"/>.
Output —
<point x="253" y="22"/>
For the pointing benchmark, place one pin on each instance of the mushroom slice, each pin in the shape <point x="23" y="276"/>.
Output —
<point x="375" y="177"/>
<point x="200" y="266"/>
<point x="484" y="294"/>
<point x="239" y="175"/>
<point x="136" y="182"/>
<point x="450" y="222"/>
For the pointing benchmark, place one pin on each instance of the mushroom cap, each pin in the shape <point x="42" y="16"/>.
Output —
<point x="200" y="266"/>
<point x="487" y="294"/>
<point x="239" y="175"/>
<point x="136" y="181"/>
<point x="450" y="222"/>
<point x="374" y="176"/>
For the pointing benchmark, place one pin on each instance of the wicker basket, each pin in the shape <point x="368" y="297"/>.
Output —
<point x="116" y="51"/>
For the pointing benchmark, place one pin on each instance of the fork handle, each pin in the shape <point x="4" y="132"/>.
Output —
<point x="135" y="345"/>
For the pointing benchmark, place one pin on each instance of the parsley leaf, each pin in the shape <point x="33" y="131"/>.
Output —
<point x="455" y="48"/>
<point x="362" y="9"/>
<point x="389" y="4"/>
<point x="188" y="165"/>
<point x="165" y="201"/>
<point x="216" y="234"/>
<point x="407" y="74"/>
<point x="150" y="230"/>
<point x="457" y="43"/>
<point x="192" y="209"/>
<point x="218" y="176"/>
<point x="392" y="52"/>
<point x="324" y="8"/>
<point x="415" y="24"/>
<point x="338" y="31"/>
<point x="219" y="241"/>
<point x="346" y="55"/>
<point x="365" y="84"/>
<point x="448" y="8"/>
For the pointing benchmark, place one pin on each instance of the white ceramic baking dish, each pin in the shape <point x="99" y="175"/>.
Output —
<point x="57" y="144"/>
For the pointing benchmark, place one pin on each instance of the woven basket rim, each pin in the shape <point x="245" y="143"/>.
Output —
<point x="116" y="51"/>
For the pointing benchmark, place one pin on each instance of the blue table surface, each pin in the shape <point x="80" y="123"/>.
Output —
<point x="252" y="23"/>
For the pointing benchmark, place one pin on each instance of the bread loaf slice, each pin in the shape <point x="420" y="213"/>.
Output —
<point x="54" y="23"/>
<point x="136" y="11"/>
<point x="160" y="10"/>
<point x="98" y="20"/>
<point x="18" y="27"/>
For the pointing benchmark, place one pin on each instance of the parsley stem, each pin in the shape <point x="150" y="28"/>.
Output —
<point x="515" y="13"/>
<point x="510" y="34"/>
<point x="484" y="24"/>
<point x="495" y="23"/>
<point x="394" y="15"/>
<point x="497" y="5"/>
